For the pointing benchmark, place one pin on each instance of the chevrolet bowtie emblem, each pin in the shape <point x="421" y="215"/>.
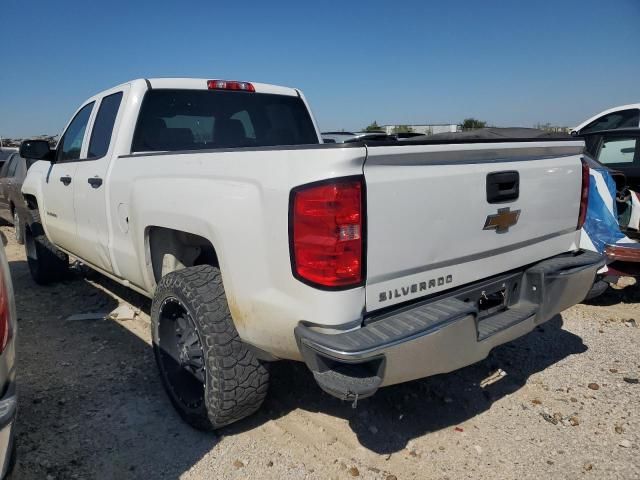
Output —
<point x="502" y="221"/>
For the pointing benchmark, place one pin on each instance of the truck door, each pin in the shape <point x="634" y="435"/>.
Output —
<point x="90" y="200"/>
<point x="57" y="212"/>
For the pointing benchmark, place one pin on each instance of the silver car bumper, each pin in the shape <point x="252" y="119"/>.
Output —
<point x="445" y="333"/>
<point x="8" y="411"/>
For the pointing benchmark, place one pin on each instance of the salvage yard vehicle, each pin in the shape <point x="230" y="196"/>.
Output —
<point x="8" y="393"/>
<point x="612" y="225"/>
<point x="12" y="175"/>
<point x="618" y="150"/>
<point x="373" y="264"/>
<point x="624" y="116"/>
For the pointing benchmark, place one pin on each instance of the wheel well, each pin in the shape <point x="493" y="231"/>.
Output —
<point x="171" y="250"/>
<point x="30" y="200"/>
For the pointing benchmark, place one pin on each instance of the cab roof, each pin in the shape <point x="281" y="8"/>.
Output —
<point x="201" y="84"/>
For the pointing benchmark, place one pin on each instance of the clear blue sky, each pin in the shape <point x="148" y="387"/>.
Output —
<point x="508" y="62"/>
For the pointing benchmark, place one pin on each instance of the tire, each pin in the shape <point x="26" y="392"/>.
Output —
<point x="46" y="263"/>
<point x="18" y="228"/>
<point x="598" y="288"/>
<point x="212" y="378"/>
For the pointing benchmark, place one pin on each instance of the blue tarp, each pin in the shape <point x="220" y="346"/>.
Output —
<point x="601" y="224"/>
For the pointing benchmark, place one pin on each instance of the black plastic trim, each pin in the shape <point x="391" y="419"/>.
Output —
<point x="495" y="179"/>
<point x="360" y="144"/>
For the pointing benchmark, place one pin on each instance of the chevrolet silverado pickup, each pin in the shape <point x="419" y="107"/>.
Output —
<point x="373" y="263"/>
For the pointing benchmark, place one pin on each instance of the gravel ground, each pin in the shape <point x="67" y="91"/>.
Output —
<point x="562" y="402"/>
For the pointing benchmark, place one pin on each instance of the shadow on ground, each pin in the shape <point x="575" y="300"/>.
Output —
<point x="90" y="391"/>
<point x="614" y="296"/>
<point x="403" y="412"/>
<point x="91" y="404"/>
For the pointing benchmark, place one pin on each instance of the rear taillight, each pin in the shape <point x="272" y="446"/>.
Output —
<point x="584" y="196"/>
<point x="5" y="313"/>
<point x="326" y="229"/>
<point x="230" y="85"/>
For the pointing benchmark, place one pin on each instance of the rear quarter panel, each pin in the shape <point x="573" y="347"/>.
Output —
<point x="239" y="201"/>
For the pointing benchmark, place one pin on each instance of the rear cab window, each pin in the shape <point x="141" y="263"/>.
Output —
<point x="176" y="120"/>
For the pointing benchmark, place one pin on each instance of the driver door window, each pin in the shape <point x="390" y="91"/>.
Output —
<point x="71" y="143"/>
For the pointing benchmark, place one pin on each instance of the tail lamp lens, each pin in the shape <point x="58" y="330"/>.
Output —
<point x="326" y="231"/>
<point x="584" y="196"/>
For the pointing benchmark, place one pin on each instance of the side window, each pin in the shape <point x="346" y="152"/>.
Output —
<point x="621" y="119"/>
<point x="5" y="166"/>
<point x="617" y="151"/>
<point x="103" y="126"/>
<point x="71" y="143"/>
<point x="21" y="168"/>
<point x="12" y="166"/>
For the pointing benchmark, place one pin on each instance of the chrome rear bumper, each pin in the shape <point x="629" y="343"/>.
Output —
<point x="444" y="333"/>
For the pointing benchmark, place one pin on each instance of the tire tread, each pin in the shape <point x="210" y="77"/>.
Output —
<point x="236" y="381"/>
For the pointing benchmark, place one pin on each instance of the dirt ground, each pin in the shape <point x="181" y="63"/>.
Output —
<point x="564" y="403"/>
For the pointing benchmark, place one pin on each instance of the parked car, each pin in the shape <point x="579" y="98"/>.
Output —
<point x="373" y="264"/>
<point x="618" y="150"/>
<point x="606" y="229"/>
<point x="613" y="219"/>
<point x="624" y="116"/>
<point x="12" y="175"/>
<point x="8" y="398"/>
<point x="5" y="153"/>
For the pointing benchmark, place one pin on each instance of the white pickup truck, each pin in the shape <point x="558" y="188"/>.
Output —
<point x="373" y="264"/>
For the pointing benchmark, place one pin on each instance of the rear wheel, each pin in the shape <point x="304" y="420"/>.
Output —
<point x="211" y="376"/>
<point x="18" y="228"/>
<point x="46" y="263"/>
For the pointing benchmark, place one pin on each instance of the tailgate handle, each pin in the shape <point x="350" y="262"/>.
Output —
<point x="503" y="186"/>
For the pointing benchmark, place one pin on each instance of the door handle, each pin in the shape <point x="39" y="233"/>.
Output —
<point x="503" y="186"/>
<point x="66" y="180"/>
<point x="95" y="182"/>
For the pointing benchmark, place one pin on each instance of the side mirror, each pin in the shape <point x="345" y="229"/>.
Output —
<point x="36" y="150"/>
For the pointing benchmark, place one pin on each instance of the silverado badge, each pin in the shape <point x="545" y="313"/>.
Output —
<point x="502" y="221"/>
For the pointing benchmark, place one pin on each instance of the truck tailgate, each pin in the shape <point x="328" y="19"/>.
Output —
<point x="431" y="226"/>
